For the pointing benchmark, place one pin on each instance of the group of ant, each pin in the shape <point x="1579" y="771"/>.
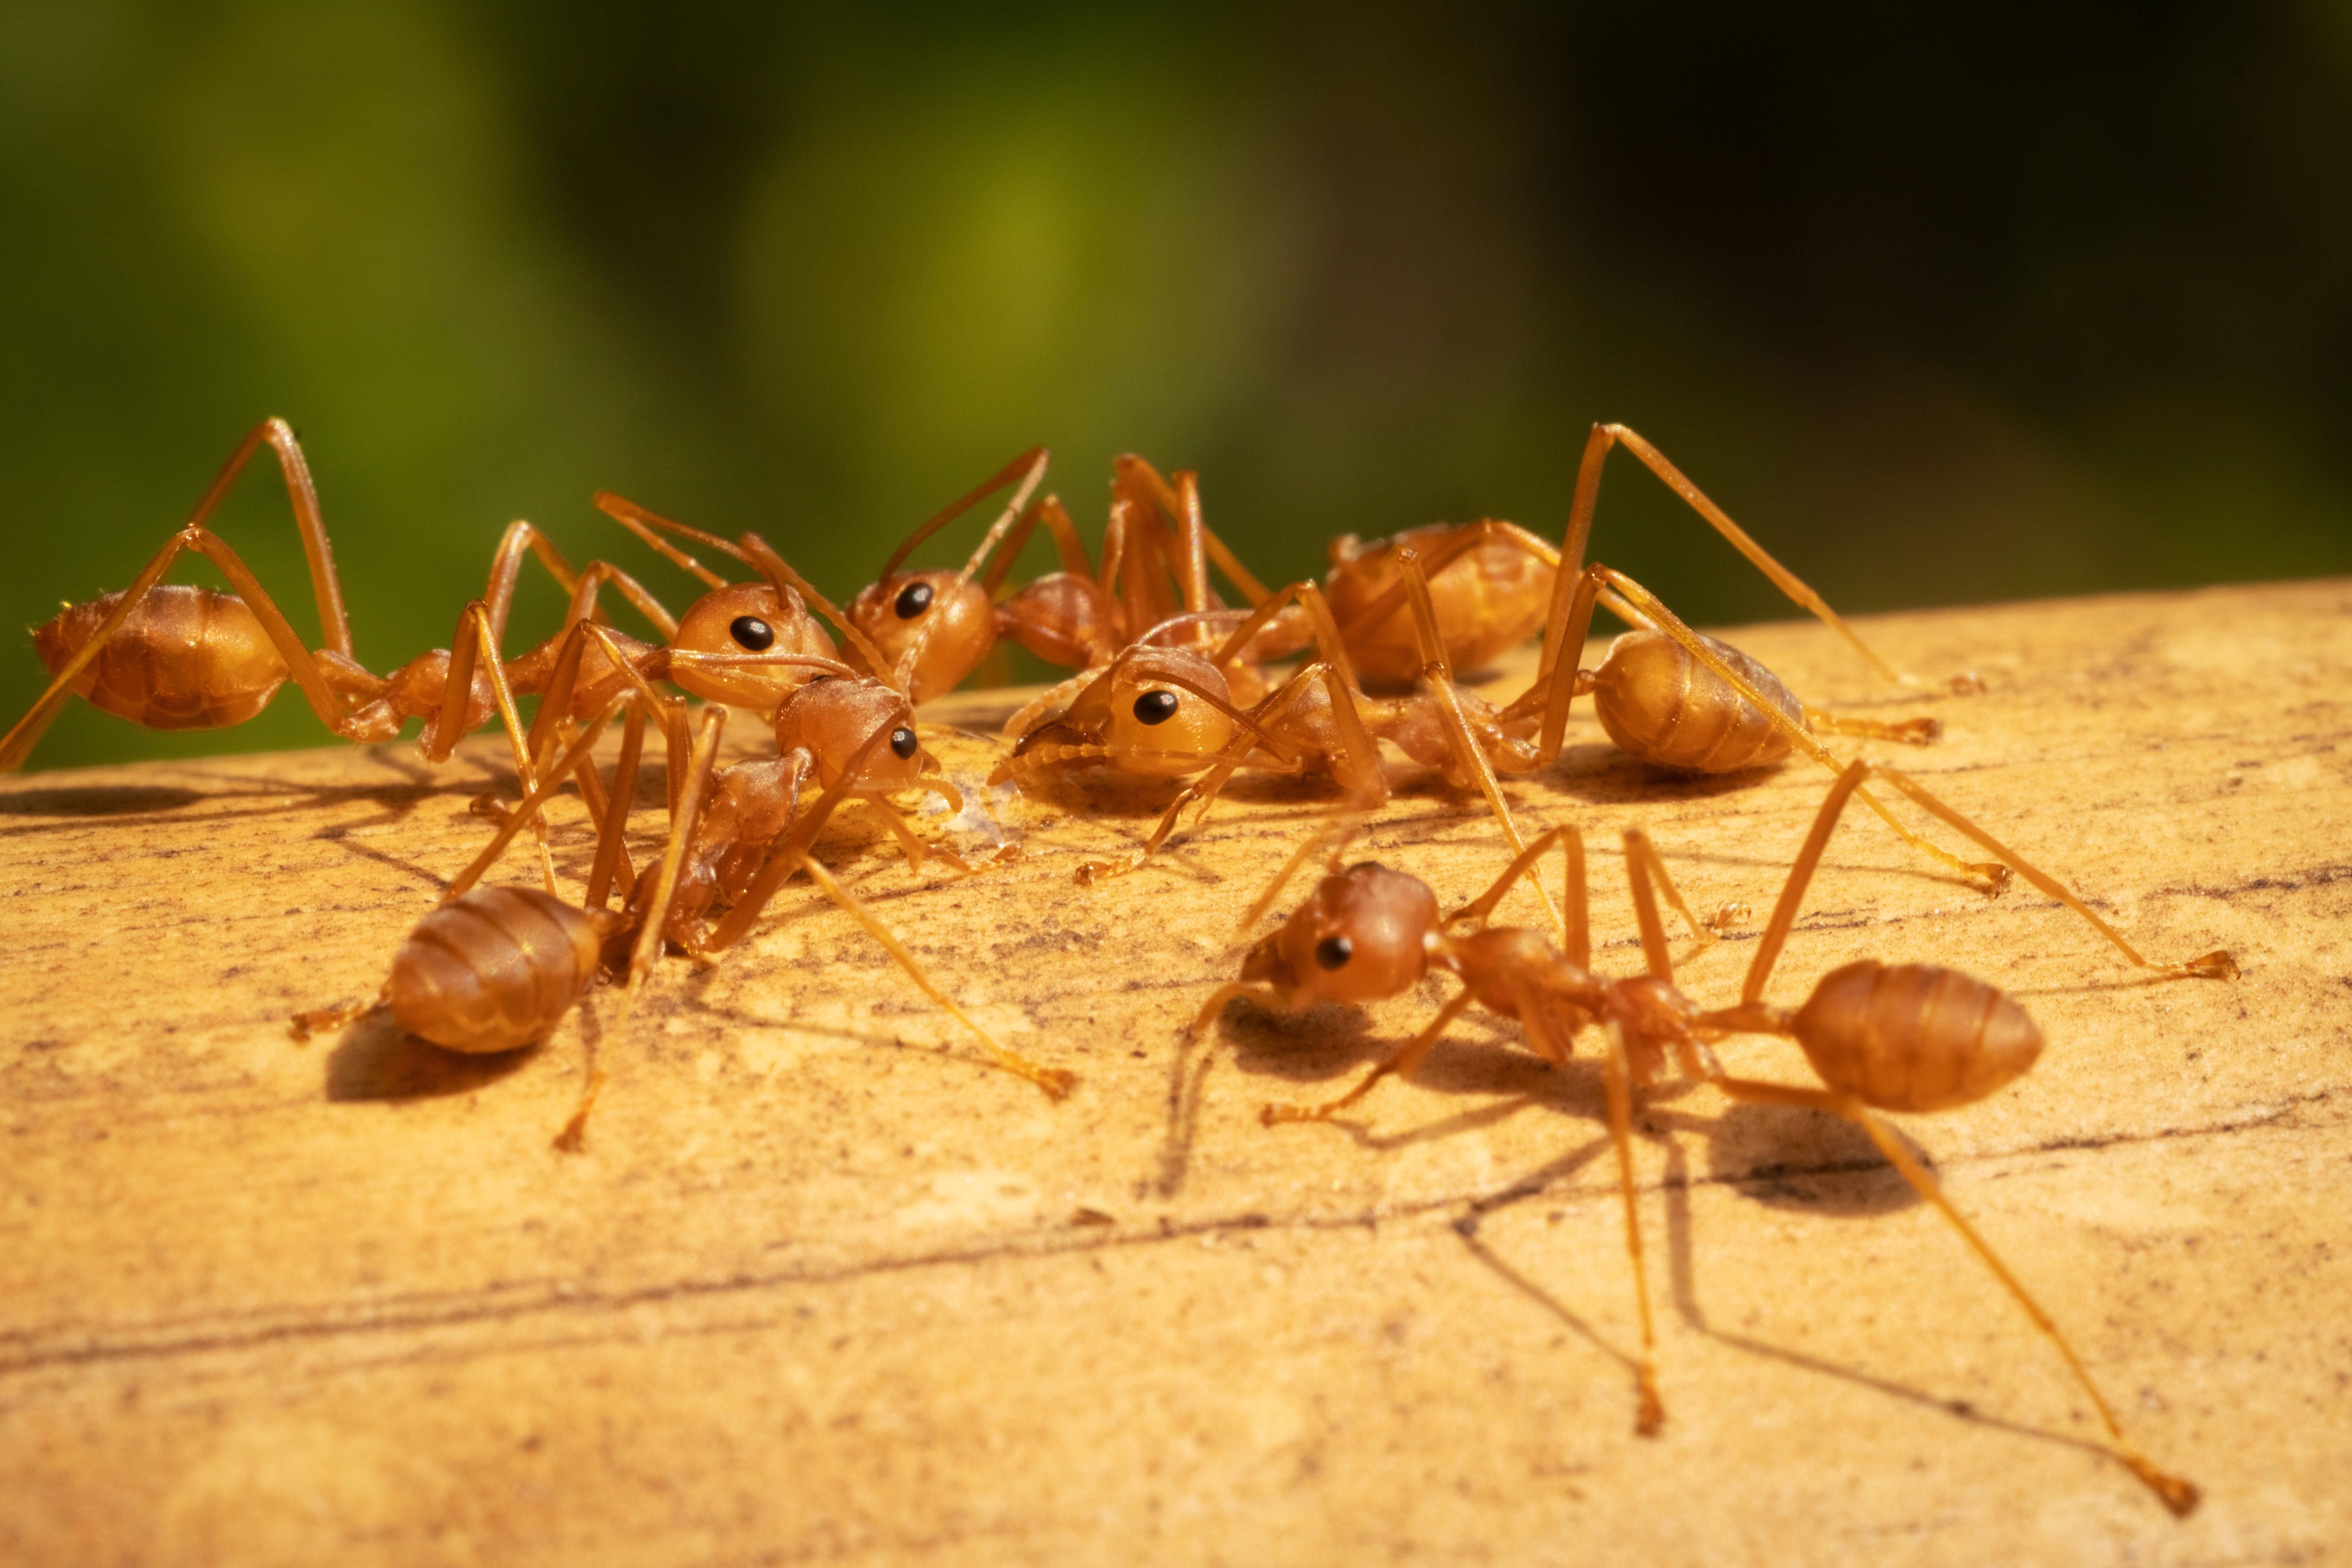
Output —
<point x="1172" y="682"/>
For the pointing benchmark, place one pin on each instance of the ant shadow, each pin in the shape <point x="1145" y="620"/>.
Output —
<point x="1863" y="1178"/>
<point x="376" y="1060"/>
<point x="99" y="800"/>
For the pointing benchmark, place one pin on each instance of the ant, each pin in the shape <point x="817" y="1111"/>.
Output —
<point x="936" y="626"/>
<point x="1491" y="581"/>
<point x="818" y="706"/>
<point x="1905" y="1037"/>
<point x="1167" y="712"/>
<point x="492" y="968"/>
<point x="175" y="656"/>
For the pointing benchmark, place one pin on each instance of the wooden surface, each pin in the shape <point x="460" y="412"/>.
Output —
<point x="825" y="1286"/>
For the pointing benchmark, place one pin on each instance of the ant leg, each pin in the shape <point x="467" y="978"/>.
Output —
<point x="2215" y="965"/>
<point x="1580" y="529"/>
<point x="2178" y="1495"/>
<point x="1577" y="943"/>
<point x="1644" y="864"/>
<point x="528" y="810"/>
<point x="1617" y="1077"/>
<point x="612" y="863"/>
<point x="691" y="798"/>
<point x="1908" y="733"/>
<point x="1323" y="631"/>
<point x="1054" y="1082"/>
<point x="505" y="570"/>
<point x="640" y="598"/>
<point x="1468" y="754"/>
<point x="526" y="774"/>
<point x="1401" y="1065"/>
<point x="645" y="524"/>
<point x="788" y="856"/>
<point x="1175" y="501"/>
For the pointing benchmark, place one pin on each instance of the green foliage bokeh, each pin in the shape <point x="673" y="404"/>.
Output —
<point x="1942" y="318"/>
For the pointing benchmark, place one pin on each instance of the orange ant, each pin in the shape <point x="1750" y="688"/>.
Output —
<point x="935" y="626"/>
<point x="1490" y="582"/>
<point x="492" y="968"/>
<point x="1167" y="712"/>
<point x="819" y="707"/>
<point x="1907" y="1038"/>
<point x="175" y="656"/>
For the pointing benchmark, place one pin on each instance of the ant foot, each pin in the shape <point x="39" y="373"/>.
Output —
<point x="2215" y="965"/>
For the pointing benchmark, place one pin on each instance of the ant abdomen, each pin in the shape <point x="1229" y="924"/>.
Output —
<point x="1660" y="704"/>
<point x="184" y="658"/>
<point x="497" y="968"/>
<point x="1914" y="1037"/>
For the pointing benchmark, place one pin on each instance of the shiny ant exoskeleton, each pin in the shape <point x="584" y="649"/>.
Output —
<point x="1880" y="1037"/>
<point x="937" y="626"/>
<point x="495" y="968"/>
<point x="1490" y="582"/>
<point x="175" y="656"/>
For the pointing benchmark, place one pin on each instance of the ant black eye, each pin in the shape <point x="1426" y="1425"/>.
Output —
<point x="902" y="740"/>
<point x="1156" y="707"/>
<point x="754" y="633"/>
<point x="1334" y="950"/>
<point x="913" y="600"/>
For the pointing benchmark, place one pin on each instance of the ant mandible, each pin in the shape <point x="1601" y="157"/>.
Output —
<point x="1905" y="1037"/>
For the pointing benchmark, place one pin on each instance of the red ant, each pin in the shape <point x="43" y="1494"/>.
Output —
<point x="1907" y="1038"/>
<point x="1673" y="698"/>
<point x="936" y="626"/>
<point x="1490" y="582"/>
<point x="171" y="657"/>
<point x="495" y="968"/>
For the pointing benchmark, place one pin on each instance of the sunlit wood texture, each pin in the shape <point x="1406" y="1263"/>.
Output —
<point x="825" y="1286"/>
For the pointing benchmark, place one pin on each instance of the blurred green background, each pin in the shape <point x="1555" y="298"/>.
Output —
<point x="1944" y="308"/>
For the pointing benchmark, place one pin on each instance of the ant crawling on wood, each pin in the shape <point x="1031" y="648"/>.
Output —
<point x="495" y="968"/>
<point x="935" y="626"/>
<point x="175" y="656"/>
<point x="1167" y="712"/>
<point x="1490" y="582"/>
<point x="1905" y="1037"/>
<point x="819" y="707"/>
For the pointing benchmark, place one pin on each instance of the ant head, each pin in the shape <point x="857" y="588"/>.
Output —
<point x="1157" y="712"/>
<point x="1362" y="934"/>
<point x="832" y="717"/>
<point x="956" y="620"/>
<point x="748" y="619"/>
